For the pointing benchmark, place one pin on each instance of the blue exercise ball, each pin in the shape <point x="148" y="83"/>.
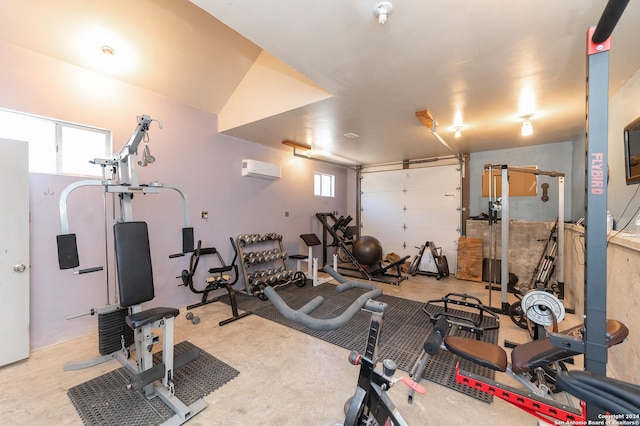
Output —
<point x="367" y="250"/>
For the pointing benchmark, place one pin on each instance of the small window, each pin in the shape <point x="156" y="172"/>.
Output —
<point x="56" y="147"/>
<point x="323" y="185"/>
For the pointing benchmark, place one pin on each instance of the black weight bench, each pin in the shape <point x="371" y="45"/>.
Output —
<point x="135" y="278"/>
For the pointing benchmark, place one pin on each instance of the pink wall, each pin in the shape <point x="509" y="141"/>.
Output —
<point x="189" y="152"/>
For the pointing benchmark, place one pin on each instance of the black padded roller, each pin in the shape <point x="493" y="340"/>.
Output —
<point x="441" y="326"/>
<point x="434" y="340"/>
<point x="609" y="19"/>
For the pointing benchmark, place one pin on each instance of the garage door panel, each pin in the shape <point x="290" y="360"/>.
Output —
<point x="432" y="219"/>
<point x="405" y="208"/>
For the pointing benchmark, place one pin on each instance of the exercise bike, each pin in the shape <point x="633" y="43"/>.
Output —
<point x="370" y="403"/>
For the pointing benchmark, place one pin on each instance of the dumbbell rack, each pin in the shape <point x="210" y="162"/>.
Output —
<point x="264" y="263"/>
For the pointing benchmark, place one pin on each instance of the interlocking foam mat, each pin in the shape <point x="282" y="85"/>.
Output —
<point x="405" y="328"/>
<point x="106" y="400"/>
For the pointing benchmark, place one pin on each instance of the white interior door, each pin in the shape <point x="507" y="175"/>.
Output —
<point x="405" y="208"/>
<point x="14" y="251"/>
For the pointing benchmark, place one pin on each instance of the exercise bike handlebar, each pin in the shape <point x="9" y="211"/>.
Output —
<point x="302" y="316"/>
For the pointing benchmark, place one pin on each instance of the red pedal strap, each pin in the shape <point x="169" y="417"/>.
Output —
<point x="413" y="385"/>
<point x="532" y="404"/>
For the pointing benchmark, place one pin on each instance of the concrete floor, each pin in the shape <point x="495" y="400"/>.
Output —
<point x="286" y="377"/>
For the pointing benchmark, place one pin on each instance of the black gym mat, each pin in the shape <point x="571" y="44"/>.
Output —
<point x="106" y="400"/>
<point x="404" y="330"/>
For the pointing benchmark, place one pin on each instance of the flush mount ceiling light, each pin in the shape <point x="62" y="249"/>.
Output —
<point x="107" y="50"/>
<point x="527" y="127"/>
<point x="382" y="11"/>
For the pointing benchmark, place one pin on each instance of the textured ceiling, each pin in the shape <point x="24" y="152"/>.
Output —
<point x="311" y="72"/>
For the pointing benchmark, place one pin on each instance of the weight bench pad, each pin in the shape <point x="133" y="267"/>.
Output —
<point x="140" y="319"/>
<point x="483" y="353"/>
<point x="531" y="355"/>
<point x="133" y="261"/>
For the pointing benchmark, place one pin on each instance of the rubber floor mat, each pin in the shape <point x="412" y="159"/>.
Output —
<point x="106" y="400"/>
<point x="405" y="328"/>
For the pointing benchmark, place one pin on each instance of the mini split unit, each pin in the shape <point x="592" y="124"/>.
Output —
<point x="258" y="169"/>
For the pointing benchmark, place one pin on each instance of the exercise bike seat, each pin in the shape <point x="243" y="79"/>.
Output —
<point x="531" y="355"/>
<point x="485" y="354"/>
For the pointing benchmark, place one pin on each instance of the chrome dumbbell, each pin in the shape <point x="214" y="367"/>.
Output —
<point x="193" y="318"/>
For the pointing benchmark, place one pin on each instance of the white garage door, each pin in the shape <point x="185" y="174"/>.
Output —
<point x="404" y="209"/>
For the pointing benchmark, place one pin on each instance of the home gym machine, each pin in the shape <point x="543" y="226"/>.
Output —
<point x="370" y="403"/>
<point x="500" y="204"/>
<point x="220" y="279"/>
<point x="345" y="239"/>
<point x="540" y="282"/>
<point x="119" y="321"/>
<point x="598" y="332"/>
<point x="530" y="365"/>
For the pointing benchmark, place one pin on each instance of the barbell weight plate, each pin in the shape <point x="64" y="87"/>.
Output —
<point x="540" y="307"/>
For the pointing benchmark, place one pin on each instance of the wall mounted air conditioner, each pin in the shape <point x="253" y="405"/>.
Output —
<point x="258" y="169"/>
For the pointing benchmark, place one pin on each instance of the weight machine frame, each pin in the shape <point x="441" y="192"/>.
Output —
<point x="368" y="273"/>
<point x="125" y="183"/>
<point x="503" y="203"/>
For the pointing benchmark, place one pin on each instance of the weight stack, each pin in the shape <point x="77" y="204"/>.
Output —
<point x="111" y="328"/>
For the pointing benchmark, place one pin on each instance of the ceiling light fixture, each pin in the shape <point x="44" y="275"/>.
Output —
<point x="527" y="127"/>
<point x="107" y="50"/>
<point x="457" y="124"/>
<point x="382" y="11"/>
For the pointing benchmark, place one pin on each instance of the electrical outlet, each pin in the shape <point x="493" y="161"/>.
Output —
<point x="204" y="215"/>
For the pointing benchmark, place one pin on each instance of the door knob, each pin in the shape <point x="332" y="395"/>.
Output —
<point x="19" y="268"/>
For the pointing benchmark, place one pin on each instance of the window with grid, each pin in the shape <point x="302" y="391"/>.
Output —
<point x="323" y="185"/>
<point x="57" y="147"/>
